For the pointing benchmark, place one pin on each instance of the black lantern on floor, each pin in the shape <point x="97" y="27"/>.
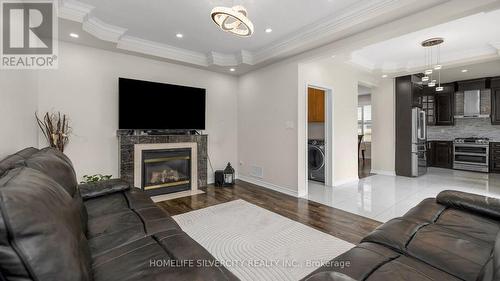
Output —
<point x="228" y="175"/>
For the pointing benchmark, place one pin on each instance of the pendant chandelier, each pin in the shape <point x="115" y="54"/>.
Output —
<point x="433" y="63"/>
<point x="234" y="20"/>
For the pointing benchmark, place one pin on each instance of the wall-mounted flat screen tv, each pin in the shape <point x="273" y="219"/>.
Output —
<point x="145" y="105"/>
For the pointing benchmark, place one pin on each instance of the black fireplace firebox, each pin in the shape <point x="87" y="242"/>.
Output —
<point x="166" y="171"/>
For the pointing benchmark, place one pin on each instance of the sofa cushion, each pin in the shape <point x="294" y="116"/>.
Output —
<point x="57" y="166"/>
<point x="456" y="253"/>
<point x="40" y="229"/>
<point x="164" y="256"/>
<point x="482" y="205"/>
<point x="13" y="160"/>
<point x="453" y="240"/>
<point x="370" y="261"/>
<point x="133" y="217"/>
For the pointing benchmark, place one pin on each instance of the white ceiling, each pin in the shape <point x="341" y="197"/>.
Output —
<point x="467" y="40"/>
<point x="149" y="27"/>
<point x="160" y="20"/>
<point x="476" y="70"/>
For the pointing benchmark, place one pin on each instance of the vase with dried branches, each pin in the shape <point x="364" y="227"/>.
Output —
<point x="55" y="128"/>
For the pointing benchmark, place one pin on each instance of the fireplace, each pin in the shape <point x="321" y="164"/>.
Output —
<point x="165" y="168"/>
<point x="166" y="171"/>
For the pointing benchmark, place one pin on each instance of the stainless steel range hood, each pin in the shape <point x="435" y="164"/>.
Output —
<point x="472" y="103"/>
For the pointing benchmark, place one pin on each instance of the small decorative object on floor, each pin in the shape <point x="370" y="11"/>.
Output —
<point x="55" y="128"/>
<point x="228" y="175"/>
<point x="95" y="178"/>
<point x="219" y="178"/>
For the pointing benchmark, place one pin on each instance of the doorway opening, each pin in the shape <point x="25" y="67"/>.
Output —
<point x="364" y="130"/>
<point x="319" y="137"/>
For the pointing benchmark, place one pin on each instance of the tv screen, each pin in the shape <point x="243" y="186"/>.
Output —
<point x="147" y="105"/>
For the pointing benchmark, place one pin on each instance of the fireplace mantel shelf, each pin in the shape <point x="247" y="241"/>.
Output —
<point x="120" y="133"/>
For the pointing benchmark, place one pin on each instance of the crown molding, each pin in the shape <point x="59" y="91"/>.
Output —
<point x="102" y="30"/>
<point x="139" y="45"/>
<point x="479" y="55"/>
<point x="74" y="10"/>
<point x="342" y="21"/>
<point x="308" y="37"/>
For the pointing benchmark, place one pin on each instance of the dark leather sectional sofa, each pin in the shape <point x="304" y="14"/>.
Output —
<point x="450" y="238"/>
<point x="52" y="229"/>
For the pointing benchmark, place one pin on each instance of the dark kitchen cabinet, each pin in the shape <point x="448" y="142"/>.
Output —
<point x="445" y="106"/>
<point x="494" y="157"/>
<point x="430" y="154"/>
<point x="408" y="95"/>
<point x="471" y="85"/>
<point x="441" y="154"/>
<point x="495" y="101"/>
<point x="429" y="105"/>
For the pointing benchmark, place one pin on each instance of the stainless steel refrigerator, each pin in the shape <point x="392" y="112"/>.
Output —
<point x="418" y="142"/>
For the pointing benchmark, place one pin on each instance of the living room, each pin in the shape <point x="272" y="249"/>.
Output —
<point x="243" y="206"/>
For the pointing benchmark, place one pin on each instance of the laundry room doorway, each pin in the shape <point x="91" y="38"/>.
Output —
<point x="319" y="122"/>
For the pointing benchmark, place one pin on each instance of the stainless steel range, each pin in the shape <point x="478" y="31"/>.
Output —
<point x="471" y="154"/>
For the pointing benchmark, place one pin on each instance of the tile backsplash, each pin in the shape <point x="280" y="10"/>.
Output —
<point x="465" y="127"/>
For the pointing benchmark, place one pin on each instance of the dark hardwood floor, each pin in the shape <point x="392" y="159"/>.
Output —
<point x="341" y="224"/>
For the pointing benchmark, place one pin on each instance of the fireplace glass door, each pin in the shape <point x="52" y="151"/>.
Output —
<point x="166" y="171"/>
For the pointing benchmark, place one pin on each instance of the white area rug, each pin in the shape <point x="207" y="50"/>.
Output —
<point x="256" y="244"/>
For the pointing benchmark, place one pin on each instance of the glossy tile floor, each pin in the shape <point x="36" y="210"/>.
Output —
<point x="385" y="197"/>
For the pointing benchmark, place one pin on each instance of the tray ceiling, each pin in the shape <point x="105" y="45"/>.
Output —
<point x="298" y="25"/>
<point x="471" y="39"/>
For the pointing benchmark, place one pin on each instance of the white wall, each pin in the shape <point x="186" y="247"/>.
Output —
<point x="86" y="88"/>
<point x="343" y="81"/>
<point x="383" y="132"/>
<point x="18" y="104"/>
<point x="267" y="101"/>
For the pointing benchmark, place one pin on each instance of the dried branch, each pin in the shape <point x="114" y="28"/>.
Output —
<point x="55" y="129"/>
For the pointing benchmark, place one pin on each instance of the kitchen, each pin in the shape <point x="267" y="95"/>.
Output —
<point x="462" y="125"/>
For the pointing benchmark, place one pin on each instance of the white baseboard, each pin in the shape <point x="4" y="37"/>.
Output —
<point x="268" y="185"/>
<point x="383" y="172"/>
<point x="346" y="181"/>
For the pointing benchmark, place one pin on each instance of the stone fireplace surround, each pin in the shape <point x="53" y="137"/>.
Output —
<point x="127" y="150"/>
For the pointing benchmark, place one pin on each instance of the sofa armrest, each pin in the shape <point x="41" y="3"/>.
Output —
<point x="328" y="276"/>
<point x="487" y="206"/>
<point x="100" y="188"/>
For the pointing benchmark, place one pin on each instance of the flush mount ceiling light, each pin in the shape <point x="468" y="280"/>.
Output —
<point x="433" y="62"/>
<point x="233" y="20"/>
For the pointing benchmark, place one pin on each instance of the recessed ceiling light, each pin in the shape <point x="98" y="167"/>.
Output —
<point x="179" y="35"/>
<point x="384" y="76"/>
<point x="74" y="35"/>
<point x="464" y="70"/>
<point x="269" y="30"/>
<point x="232" y="69"/>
